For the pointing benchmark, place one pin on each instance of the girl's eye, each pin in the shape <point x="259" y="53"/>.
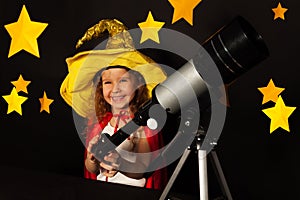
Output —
<point x="123" y="80"/>
<point x="106" y="82"/>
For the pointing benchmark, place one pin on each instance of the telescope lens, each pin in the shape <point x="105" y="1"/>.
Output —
<point x="235" y="48"/>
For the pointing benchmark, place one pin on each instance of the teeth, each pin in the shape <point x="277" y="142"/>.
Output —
<point x="117" y="98"/>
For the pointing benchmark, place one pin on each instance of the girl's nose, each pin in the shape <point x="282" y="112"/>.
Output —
<point x="116" y="88"/>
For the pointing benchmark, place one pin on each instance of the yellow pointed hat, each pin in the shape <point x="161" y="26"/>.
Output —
<point x="78" y="87"/>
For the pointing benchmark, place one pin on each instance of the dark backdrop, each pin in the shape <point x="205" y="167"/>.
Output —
<point x="257" y="164"/>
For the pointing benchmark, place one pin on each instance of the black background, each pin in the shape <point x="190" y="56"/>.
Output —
<point x="257" y="164"/>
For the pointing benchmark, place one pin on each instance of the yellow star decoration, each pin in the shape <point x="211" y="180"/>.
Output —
<point x="279" y="12"/>
<point x="279" y="115"/>
<point x="24" y="34"/>
<point x="21" y="84"/>
<point x="150" y="29"/>
<point x="14" y="101"/>
<point x="183" y="9"/>
<point x="45" y="103"/>
<point x="271" y="92"/>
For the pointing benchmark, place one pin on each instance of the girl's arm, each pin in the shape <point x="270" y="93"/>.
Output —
<point x="91" y="163"/>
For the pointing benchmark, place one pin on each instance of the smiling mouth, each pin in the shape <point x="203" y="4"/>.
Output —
<point x="118" y="98"/>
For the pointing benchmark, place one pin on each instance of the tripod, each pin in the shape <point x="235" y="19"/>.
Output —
<point x="202" y="162"/>
<point x="188" y="138"/>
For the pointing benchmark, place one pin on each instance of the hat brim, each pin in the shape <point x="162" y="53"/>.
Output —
<point x="77" y="88"/>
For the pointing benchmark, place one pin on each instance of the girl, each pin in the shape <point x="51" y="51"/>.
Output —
<point x="119" y="94"/>
<point x="107" y="87"/>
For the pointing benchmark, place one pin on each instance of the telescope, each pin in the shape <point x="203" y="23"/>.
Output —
<point x="234" y="49"/>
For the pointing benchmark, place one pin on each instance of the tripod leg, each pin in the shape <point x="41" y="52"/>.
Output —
<point x="202" y="174"/>
<point x="175" y="174"/>
<point x="220" y="175"/>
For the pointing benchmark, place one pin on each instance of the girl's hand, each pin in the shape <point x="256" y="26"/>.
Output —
<point x="110" y="166"/>
<point x="92" y="142"/>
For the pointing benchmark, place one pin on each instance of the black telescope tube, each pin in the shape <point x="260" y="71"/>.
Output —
<point x="107" y="143"/>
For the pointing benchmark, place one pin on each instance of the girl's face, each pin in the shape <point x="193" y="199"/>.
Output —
<point x="118" y="88"/>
